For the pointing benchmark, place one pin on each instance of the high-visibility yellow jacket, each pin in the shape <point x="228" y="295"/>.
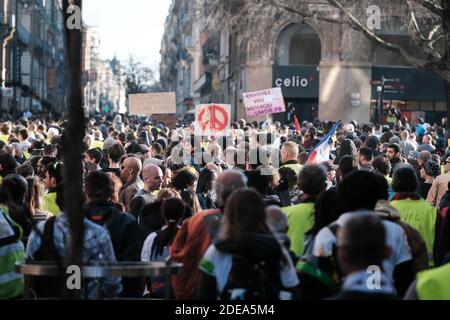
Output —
<point x="300" y="221"/>
<point x="420" y="215"/>
<point x="434" y="284"/>
<point x="49" y="204"/>
<point x="12" y="251"/>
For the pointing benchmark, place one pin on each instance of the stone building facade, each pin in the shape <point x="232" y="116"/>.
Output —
<point x="33" y="56"/>
<point x="325" y="70"/>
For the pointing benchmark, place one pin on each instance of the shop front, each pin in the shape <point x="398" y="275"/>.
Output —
<point x="416" y="93"/>
<point x="300" y="86"/>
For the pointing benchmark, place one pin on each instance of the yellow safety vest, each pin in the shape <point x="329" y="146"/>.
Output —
<point x="434" y="284"/>
<point x="391" y="119"/>
<point x="420" y="215"/>
<point x="49" y="204"/>
<point x="4" y="138"/>
<point x="97" y="144"/>
<point x="300" y="221"/>
<point x="294" y="166"/>
<point x="11" y="283"/>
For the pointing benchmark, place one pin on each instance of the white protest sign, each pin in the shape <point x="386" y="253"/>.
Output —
<point x="264" y="102"/>
<point x="152" y="103"/>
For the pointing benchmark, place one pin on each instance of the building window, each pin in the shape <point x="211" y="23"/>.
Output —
<point x="299" y="44"/>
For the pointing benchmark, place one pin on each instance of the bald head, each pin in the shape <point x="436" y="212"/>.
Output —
<point x="427" y="139"/>
<point x="131" y="169"/>
<point x="153" y="177"/>
<point x="227" y="182"/>
<point x="276" y="219"/>
<point x="289" y="151"/>
<point x="424" y="156"/>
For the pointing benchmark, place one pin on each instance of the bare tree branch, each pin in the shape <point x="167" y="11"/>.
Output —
<point x="431" y="6"/>
<point x="356" y="25"/>
<point x="433" y="32"/>
<point x="307" y="14"/>
<point x="255" y="18"/>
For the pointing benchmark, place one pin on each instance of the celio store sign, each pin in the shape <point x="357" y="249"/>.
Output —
<point x="297" y="81"/>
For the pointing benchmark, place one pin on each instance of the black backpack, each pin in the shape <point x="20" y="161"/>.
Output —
<point x="253" y="280"/>
<point x="47" y="287"/>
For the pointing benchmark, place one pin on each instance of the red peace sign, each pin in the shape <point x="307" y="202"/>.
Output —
<point x="217" y="119"/>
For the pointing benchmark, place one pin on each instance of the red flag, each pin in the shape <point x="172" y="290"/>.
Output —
<point x="297" y="125"/>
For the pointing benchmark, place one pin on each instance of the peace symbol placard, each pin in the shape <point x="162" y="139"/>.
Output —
<point x="212" y="119"/>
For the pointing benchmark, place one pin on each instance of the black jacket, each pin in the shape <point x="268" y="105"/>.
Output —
<point x="123" y="229"/>
<point x="442" y="241"/>
<point x="125" y="235"/>
<point x="152" y="220"/>
<point x="251" y="250"/>
<point x="206" y="201"/>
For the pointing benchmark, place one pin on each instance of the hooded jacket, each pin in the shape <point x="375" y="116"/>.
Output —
<point x="347" y="148"/>
<point x="125" y="235"/>
<point x="123" y="229"/>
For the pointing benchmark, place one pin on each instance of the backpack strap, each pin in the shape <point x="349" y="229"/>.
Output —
<point x="47" y="240"/>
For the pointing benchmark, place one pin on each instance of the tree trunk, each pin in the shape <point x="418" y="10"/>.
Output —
<point x="446" y="31"/>
<point x="447" y="90"/>
<point x="73" y="145"/>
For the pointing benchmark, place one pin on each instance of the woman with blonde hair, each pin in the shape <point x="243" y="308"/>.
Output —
<point x="34" y="199"/>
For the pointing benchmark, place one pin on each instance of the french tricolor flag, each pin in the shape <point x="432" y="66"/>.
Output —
<point x="322" y="151"/>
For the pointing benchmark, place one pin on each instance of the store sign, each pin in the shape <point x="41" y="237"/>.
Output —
<point x="297" y="81"/>
<point x="408" y="84"/>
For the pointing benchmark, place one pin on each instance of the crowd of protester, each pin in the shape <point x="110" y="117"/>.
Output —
<point x="247" y="214"/>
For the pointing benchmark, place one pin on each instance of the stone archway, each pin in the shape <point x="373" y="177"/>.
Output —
<point x="297" y="58"/>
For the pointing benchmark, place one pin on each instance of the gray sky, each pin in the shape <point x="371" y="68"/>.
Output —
<point x="128" y="27"/>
